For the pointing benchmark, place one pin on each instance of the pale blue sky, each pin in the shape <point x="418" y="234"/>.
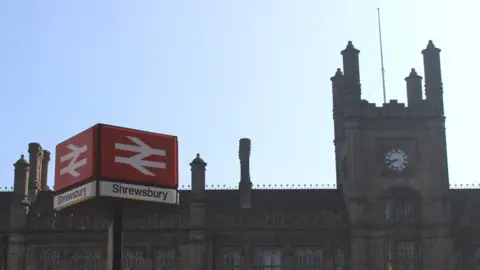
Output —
<point x="212" y="72"/>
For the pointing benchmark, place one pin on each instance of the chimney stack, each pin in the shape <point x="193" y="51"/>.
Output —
<point x="44" y="171"/>
<point x="34" y="178"/>
<point x="245" y="185"/>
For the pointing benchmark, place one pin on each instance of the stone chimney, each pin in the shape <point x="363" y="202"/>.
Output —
<point x="44" y="171"/>
<point x="245" y="185"/>
<point x="34" y="178"/>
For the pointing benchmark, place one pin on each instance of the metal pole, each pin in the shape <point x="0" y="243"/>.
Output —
<point x="381" y="56"/>
<point x="115" y="241"/>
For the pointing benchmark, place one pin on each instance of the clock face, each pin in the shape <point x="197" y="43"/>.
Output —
<point x="396" y="159"/>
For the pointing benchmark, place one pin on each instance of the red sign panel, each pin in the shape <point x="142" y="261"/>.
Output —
<point x="75" y="159"/>
<point x="138" y="156"/>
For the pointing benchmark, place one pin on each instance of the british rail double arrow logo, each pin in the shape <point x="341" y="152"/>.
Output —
<point x="143" y="151"/>
<point x="74" y="163"/>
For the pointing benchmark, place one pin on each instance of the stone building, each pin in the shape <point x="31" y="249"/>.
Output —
<point x="392" y="207"/>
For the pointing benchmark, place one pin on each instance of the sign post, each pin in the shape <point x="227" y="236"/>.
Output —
<point x="115" y="241"/>
<point x="105" y="165"/>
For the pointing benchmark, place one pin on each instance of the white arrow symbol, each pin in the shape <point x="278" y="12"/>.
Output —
<point x="144" y="151"/>
<point x="73" y="165"/>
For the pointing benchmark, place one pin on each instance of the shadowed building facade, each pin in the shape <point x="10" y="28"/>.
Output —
<point x="392" y="207"/>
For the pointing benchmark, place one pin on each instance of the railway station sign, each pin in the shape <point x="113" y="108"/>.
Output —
<point x="116" y="162"/>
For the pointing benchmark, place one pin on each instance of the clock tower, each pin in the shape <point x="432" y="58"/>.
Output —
<point x="392" y="168"/>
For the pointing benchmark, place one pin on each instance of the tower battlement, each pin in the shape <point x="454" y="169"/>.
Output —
<point x="348" y="103"/>
<point x="393" y="108"/>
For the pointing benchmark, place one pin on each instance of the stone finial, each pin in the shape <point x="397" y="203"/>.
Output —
<point x="350" y="45"/>
<point x="431" y="48"/>
<point x="430" y="45"/>
<point x="350" y="48"/>
<point x="244" y="148"/>
<point x="413" y="74"/>
<point x="198" y="161"/>
<point x="21" y="161"/>
<point x="338" y="74"/>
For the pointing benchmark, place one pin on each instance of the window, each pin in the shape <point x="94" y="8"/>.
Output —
<point x="345" y="169"/>
<point x="164" y="260"/>
<point x="86" y="260"/>
<point x="458" y="261"/>
<point x="477" y="259"/>
<point x="339" y="259"/>
<point x="308" y="259"/>
<point x="132" y="260"/>
<point x="400" y="210"/>
<point x="402" y="256"/>
<point x="388" y="254"/>
<point x="231" y="259"/>
<point x="400" y="204"/>
<point x="268" y="259"/>
<point x="406" y="255"/>
<point x="48" y="260"/>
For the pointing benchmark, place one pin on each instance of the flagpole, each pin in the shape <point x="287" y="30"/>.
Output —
<point x="381" y="56"/>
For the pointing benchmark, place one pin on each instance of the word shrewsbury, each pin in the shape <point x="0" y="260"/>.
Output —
<point x="139" y="191"/>
<point x="72" y="195"/>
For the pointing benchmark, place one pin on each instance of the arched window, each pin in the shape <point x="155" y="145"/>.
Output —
<point x="402" y="255"/>
<point x="401" y="204"/>
<point x="231" y="259"/>
<point x="308" y="259"/>
<point x="477" y="259"/>
<point x="132" y="260"/>
<point x="268" y="259"/>
<point x="339" y="259"/>
<point x="458" y="260"/>
<point x="48" y="260"/>
<point x="86" y="260"/>
<point x="163" y="259"/>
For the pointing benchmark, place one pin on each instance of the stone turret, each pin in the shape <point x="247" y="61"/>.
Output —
<point x="433" y="77"/>
<point x="351" y="72"/>
<point x="196" y="248"/>
<point x="20" y="180"/>
<point x="414" y="88"/>
<point x="19" y="207"/>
